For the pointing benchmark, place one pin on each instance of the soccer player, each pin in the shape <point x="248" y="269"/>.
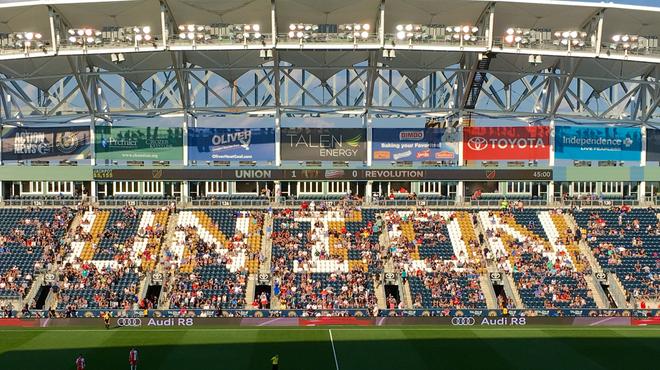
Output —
<point x="275" y="360"/>
<point x="80" y="362"/>
<point x="133" y="358"/>
<point x="106" y="319"/>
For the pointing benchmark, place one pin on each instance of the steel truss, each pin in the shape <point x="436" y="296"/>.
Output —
<point x="558" y="92"/>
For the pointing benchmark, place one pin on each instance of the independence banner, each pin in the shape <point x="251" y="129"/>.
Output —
<point x="652" y="145"/>
<point x="598" y="143"/>
<point x="323" y="144"/>
<point x="138" y="143"/>
<point x="46" y="143"/>
<point x="414" y="144"/>
<point x="232" y="144"/>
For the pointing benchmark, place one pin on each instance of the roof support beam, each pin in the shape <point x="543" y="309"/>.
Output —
<point x="181" y="79"/>
<point x="83" y="84"/>
<point x="564" y="87"/>
<point x="371" y="78"/>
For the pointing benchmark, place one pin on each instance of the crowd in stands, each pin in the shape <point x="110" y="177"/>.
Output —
<point x="84" y="284"/>
<point x="30" y="240"/>
<point x="211" y="284"/>
<point x="625" y="240"/>
<point x="294" y="240"/>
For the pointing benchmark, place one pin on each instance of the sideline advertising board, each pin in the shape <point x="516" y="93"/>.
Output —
<point x="598" y="143"/>
<point x="323" y="144"/>
<point x="415" y="144"/>
<point x="231" y="144"/>
<point x="46" y="143"/>
<point x="652" y="145"/>
<point x="506" y="143"/>
<point x="129" y="143"/>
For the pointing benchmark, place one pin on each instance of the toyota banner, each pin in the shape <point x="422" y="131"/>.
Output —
<point x="652" y="145"/>
<point x="415" y="144"/>
<point x="323" y="144"/>
<point x="598" y="143"/>
<point x="506" y="143"/>
<point x="231" y="144"/>
<point x="46" y="143"/>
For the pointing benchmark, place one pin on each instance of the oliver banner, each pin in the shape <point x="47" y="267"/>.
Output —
<point x="46" y="143"/>
<point x="138" y="143"/>
<point x="652" y="145"/>
<point x="238" y="144"/>
<point x="323" y="144"/>
<point x="415" y="144"/>
<point x="598" y="143"/>
<point x="506" y="143"/>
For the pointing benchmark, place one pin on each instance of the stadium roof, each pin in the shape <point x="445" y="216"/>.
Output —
<point x="230" y="61"/>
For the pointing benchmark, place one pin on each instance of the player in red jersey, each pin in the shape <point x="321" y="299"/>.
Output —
<point x="80" y="362"/>
<point x="133" y="358"/>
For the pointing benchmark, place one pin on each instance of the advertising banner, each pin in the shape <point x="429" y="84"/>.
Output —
<point x="652" y="145"/>
<point x="237" y="144"/>
<point x="138" y="143"/>
<point x="414" y="144"/>
<point x="323" y="144"/>
<point x="506" y="143"/>
<point x="46" y="143"/>
<point x="598" y="143"/>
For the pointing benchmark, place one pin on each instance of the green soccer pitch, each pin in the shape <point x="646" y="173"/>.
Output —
<point x="333" y="348"/>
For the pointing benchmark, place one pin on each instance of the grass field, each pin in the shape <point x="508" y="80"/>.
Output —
<point x="360" y="348"/>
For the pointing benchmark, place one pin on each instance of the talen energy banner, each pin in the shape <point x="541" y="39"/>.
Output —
<point x="138" y="143"/>
<point x="414" y="144"/>
<point x="46" y="143"/>
<point x="323" y="144"/>
<point x="506" y="143"/>
<point x="231" y="144"/>
<point x="652" y="145"/>
<point x="598" y="143"/>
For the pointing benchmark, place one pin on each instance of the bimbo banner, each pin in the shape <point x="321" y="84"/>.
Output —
<point x="506" y="143"/>
<point x="46" y="143"/>
<point x="231" y="144"/>
<point x="138" y="143"/>
<point x="323" y="144"/>
<point x="652" y="145"/>
<point x="414" y="144"/>
<point x="598" y="143"/>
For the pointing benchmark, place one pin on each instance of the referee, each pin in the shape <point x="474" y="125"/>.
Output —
<point x="275" y="360"/>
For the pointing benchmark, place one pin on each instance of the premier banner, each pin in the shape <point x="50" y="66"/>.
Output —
<point x="598" y="143"/>
<point x="138" y="143"/>
<point x="414" y="144"/>
<point x="323" y="144"/>
<point x="506" y="143"/>
<point x="652" y="145"/>
<point x="46" y="143"/>
<point x="237" y="144"/>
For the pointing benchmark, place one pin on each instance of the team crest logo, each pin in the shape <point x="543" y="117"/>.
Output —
<point x="66" y="142"/>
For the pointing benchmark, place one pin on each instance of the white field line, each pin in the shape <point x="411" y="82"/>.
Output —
<point x="334" y="353"/>
<point x="573" y="328"/>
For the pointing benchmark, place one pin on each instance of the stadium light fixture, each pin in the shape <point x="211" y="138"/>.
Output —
<point x="627" y="42"/>
<point x="354" y="31"/>
<point x="570" y="39"/>
<point x="139" y="35"/>
<point x="302" y="31"/>
<point x="25" y="41"/>
<point x="84" y="37"/>
<point x="194" y="33"/>
<point x="409" y="32"/>
<point x="246" y="32"/>
<point x="517" y="36"/>
<point x="463" y="34"/>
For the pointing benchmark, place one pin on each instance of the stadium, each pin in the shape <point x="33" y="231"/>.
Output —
<point x="364" y="184"/>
